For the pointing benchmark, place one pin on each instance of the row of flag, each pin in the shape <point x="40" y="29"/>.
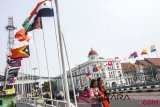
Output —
<point x="144" y="52"/>
<point x="34" y="21"/>
<point x="98" y="68"/>
<point x="110" y="63"/>
<point x="135" y="54"/>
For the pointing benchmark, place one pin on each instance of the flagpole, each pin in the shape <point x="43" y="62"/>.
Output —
<point x="38" y="63"/>
<point x="62" y="57"/>
<point x="73" y="86"/>
<point x="47" y="65"/>
<point x="22" y="70"/>
<point x="157" y="56"/>
<point x="61" y="75"/>
<point x="31" y="78"/>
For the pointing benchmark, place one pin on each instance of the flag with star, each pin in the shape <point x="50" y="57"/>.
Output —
<point x="43" y="9"/>
<point x="21" y="52"/>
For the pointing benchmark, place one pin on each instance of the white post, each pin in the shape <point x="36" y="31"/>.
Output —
<point x="62" y="57"/>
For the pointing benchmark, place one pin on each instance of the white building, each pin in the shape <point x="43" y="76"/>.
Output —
<point x="107" y="68"/>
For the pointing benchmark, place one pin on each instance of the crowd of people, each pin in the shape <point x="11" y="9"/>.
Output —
<point x="96" y="93"/>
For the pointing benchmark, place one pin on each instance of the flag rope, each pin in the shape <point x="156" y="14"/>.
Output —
<point x="69" y="69"/>
<point x="38" y="62"/>
<point x="47" y="64"/>
<point x="59" y="56"/>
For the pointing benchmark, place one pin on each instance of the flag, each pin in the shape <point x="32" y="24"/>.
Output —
<point x="17" y="64"/>
<point x="109" y="63"/>
<point x="15" y="74"/>
<point x="21" y="35"/>
<point x="13" y="61"/>
<point x="13" y="70"/>
<point x="131" y="55"/>
<point x="21" y="52"/>
<point x="135" y="54"/>
<point x="152" y="49"/>
<point x="116" y="57"/>
<point x="43" y="9"/>
<point x="88" y="74"/>
<point x="144" y="51"/>
<point x="37" y="24"/>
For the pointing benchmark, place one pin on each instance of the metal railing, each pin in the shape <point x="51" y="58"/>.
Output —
<point x="38" y="102"/>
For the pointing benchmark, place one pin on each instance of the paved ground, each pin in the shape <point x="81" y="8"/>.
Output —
<point x="132" y="100"/>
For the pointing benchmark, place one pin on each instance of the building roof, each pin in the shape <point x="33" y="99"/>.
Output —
<point x="155" y="61"/>
<point x="92" y="52"/>
<point x="126" y="67"/>
<point x="147" y="61"/>
<point x="141" y="62"/>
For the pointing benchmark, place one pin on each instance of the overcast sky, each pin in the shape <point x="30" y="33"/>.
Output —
<point x="111" y="27"/>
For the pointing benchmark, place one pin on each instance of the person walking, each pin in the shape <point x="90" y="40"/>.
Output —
<point x="104" y="92"/>
<point x="95" y="94"/>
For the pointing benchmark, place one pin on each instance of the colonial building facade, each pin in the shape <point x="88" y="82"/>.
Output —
<point x="142" y="71"/>
<point x="109" y="69"/>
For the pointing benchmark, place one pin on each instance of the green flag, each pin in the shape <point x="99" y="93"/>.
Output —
<point x="13" y="70"/>
<point x="37" y="24"/>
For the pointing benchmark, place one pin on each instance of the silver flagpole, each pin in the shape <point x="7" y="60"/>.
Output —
<point x="158" y="57"/>
<point x="73" y="86"/>
<point x="62" y="57"/>
<point x="158" y="62"/>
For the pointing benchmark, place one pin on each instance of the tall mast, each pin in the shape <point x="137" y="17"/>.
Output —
<point x="10" y="28"/>
<point x="62" y="57"/>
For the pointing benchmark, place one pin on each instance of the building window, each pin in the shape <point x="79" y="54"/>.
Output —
<point x="117" y="67"/>
<point x="117" y="64"/>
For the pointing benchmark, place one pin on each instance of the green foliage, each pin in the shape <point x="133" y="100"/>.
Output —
<point x="150" y="69"/>
<point x="46" y="88"/>
<point x="12" y="104"/>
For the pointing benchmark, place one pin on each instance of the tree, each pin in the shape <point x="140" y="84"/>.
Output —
<point x="151" y="69"/>
<point x="46" y="88"/>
